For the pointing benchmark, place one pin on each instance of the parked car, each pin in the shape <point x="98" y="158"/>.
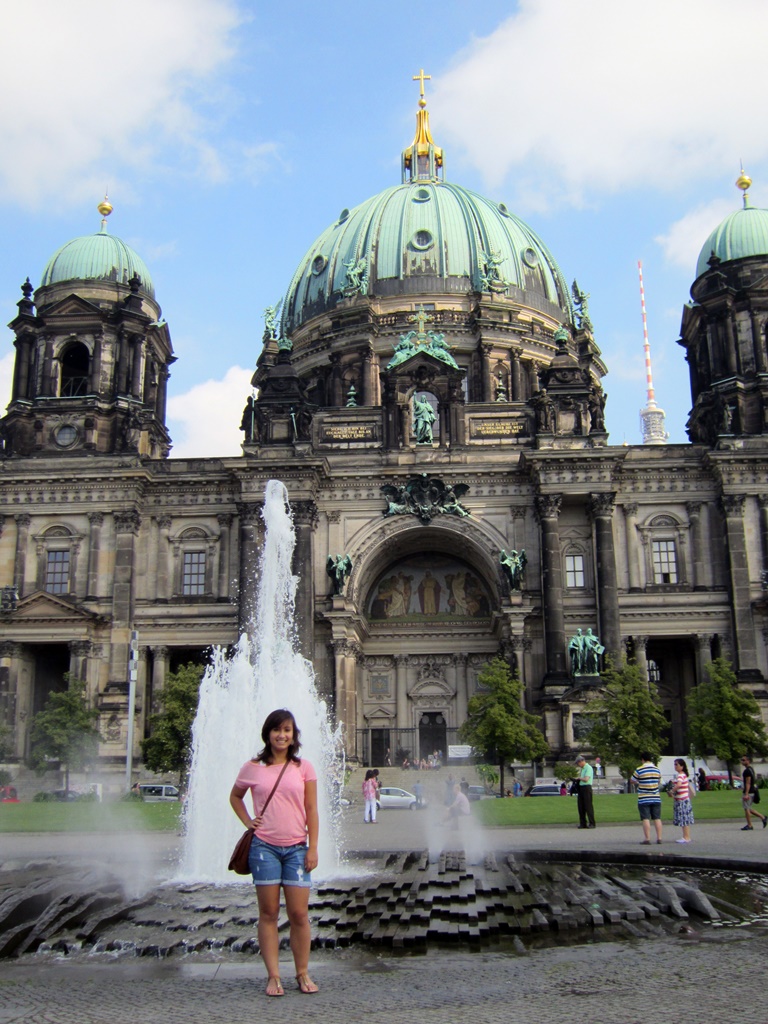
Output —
<point x="722" y="777"/>
<point x="154" y="792"/>
<point x="8" y="795"/>
<point x="545" y="789"/>
<point x="477" y="792"/>
<point x="391" y="796"/>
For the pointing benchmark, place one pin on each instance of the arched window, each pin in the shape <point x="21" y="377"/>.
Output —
<point x="75" y="370"/>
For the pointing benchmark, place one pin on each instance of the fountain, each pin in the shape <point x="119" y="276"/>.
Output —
<point x="237" y="693"/>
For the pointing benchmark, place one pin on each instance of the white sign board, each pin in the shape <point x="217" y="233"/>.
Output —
<point x="460" y="750"/>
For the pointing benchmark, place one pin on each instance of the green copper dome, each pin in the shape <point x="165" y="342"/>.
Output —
<point x="97" y="257"/>
<point x="425" y="236"/>
<point x="743" y="233"/>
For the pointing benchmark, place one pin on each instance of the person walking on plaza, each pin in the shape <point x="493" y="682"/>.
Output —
<point x="750" y="795"/>
<point x="370" y="792"/>
<point x="647" y="780"/>
<point x="285" y="826"/>
<point x="586" y="810"/>
<point x="682" y="788"/>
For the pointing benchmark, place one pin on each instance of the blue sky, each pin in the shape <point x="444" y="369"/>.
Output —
<point x="231" y="133"/>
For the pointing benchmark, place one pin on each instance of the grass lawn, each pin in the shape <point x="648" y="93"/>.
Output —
<point x="128" y="816"/>
<point x="609" y="807"/>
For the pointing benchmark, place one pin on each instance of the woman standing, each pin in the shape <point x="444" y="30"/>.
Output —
<point x="284" y="845"/>
<point x="370" y="792"/>
<point x="681" y="791"/>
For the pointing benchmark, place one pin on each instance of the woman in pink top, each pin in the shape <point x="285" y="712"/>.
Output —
<point x="681" y="791"/>
<point x="284" y="845"/>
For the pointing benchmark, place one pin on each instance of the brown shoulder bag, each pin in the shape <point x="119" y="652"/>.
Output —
<point x="238" y="862"/>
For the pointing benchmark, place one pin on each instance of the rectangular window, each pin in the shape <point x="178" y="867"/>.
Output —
<point x="193" y="581"/>
<point x="57" y="572"/>
<point x="574" y="570"/>
<point x="664" y="561"/>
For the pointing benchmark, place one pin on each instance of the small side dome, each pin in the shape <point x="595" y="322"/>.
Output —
<point x="98" y="257"/>
<point x="742" y="233"/>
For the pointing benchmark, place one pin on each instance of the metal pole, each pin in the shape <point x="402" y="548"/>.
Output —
<point x="133" y="671"/>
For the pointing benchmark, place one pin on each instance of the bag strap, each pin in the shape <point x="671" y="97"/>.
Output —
<point x="266" y="805"/>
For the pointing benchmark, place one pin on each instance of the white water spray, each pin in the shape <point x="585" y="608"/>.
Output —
<point x="236" y="695"/>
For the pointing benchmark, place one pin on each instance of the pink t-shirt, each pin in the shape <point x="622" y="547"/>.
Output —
<point x="285" y="821"/>
<point x="682" y="784"/>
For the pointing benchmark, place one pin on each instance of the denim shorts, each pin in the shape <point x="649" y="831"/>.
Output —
<point x="278" y="865"/>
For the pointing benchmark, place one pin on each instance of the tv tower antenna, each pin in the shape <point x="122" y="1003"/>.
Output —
<point x="651" y="417"/>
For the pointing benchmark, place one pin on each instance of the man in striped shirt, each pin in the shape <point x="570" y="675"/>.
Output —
<point x="647" y="780"/>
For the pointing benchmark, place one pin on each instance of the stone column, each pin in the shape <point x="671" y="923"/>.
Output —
<point x="548" y="512"/>
<point x="401" y="691"/>
<point x="368" y="375"/>
<point x="641" y="653"/>
<point x="23" y="523"/>
<point x="78" y="659"/>
<point x="533" y="376"/>
<point x="95" y="382"/>
<point x="163" y="374"/>
<point x="763" y="503"/>
<point x="126" y="529"/>
<point x="162" y="556"/>
<point x="305" y="519"/>
<point x="12" y="709"/>
<point x="703" y="655"/>
<point x="345" y="662"/>
<point x="738" y="567"/>
<point x="47" y="388"/>
<point x="462" y="695"/>
<point x="159" y="674"/>
<point x="757" y="342"/>
<point x="516" y="376"/>
<point x="96" y="521"/>
<point x="250" y="547"/>
<point x="225" y="524"/>
<point x="21" y="369"/>
<point x="486" y="350"/>
<point x="607" y="584"/>
<point x="694" y="509"/>
<point x="634" y="548"/>
<point x="337" y="381"/>
<point x="137" y="349"/>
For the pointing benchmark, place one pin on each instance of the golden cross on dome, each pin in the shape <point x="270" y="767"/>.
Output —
<point x="421" y="78"/>
<point x="421" y="318"/>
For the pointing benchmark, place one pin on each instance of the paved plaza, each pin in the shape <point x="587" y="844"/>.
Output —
<point x="694" y="977"/>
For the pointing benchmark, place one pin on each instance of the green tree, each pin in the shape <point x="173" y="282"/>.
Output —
<point x="168" y="746"/>
<point x="565" y="772"/>
<point x="497" y="725"/>
<point x="629" y="720"/>
<point x="65" y="730"/>
<point x="723" y="719"/>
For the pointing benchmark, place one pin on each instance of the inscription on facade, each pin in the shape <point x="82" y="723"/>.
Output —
<point x="348" y="432"/>
<point x="495" y="428"/>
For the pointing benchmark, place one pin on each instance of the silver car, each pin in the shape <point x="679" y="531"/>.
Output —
<point x="391" y="796"/>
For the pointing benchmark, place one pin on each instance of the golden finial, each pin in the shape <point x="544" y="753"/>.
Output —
<point x="743" y="182"/>
<point x="105" y="207"/>
<point x="421" y="78"/>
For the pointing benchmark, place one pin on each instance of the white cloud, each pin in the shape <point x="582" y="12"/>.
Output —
<point x="589" y="96"/>
<point x="683" y="241"/>
<point x="6" y="380"/>
<point x="87" y="87"/>
<point x="204" y="421"/>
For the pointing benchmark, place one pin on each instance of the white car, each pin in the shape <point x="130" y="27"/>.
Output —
<point x="391" y="796"/>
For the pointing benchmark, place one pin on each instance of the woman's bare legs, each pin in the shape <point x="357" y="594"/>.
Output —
<point x="297" y="906"/>
<point x="269" y="943"/>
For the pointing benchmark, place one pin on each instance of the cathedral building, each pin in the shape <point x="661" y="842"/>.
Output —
<point x="430" y="393"/>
